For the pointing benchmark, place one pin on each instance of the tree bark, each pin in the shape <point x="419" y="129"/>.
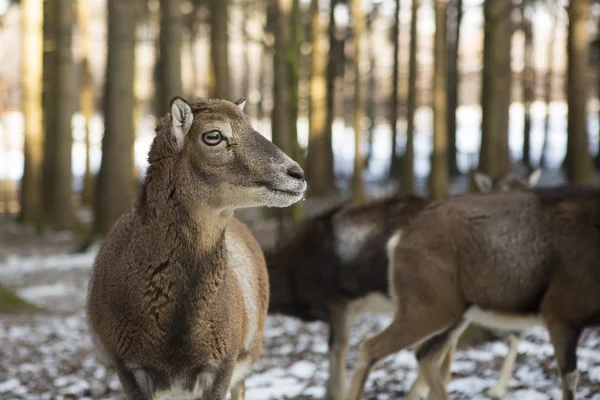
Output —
<point x="31" y="78"/>
<point x="49" y="103"/>
<point x="219" y="39"/>
<point x="494" y="157"/>
<point x="168" y="83"/>
<point x="579" y="162"/>
<point x="548" y="80"/>
<point x="528" y="82"/>
<point x="597" y="49"/>
<point x="371" y="99"/>
<point x="358" y="20"/>
<point x="439" y="159"/>
<point x="455" y="13"/>
<point x="319" y="158"/>
<point x="86" y="96"/>
<point x="57" y="174"/>
<point x="335" y="63"/>
<point x="114" y="192"/>
<point x="407" y="184"/>
<point x="394" y="171"/>
<point x="286" y="63"/>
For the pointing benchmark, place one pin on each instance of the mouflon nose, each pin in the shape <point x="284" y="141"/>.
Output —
<point x="296" y="172"/>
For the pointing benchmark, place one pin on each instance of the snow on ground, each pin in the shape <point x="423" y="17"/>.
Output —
<point x="50" y="356"/>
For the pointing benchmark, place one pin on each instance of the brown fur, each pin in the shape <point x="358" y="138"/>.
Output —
<point x="511" y="254"/>
<point x="168" y="299"/>
<point x="311" y="280"/>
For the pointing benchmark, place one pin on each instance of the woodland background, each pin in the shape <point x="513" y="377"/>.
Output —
<point x="371" y="97"/>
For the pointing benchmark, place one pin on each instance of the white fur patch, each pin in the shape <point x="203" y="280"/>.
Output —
<point x="372" y="303"/>
<point x="500" y="320"/>
<point x="176" y="392"/>
<point x="239" y="259"/>
<point x="390" y="246"/>
<point x="483" y="182"/>
<point x="241" y="372"/>
<point x="349" y="236"/>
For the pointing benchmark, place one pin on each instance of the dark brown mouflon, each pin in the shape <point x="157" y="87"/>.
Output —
<point x="335" y="266"/>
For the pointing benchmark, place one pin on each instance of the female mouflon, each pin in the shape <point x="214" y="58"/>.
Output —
<point x="179" y="293"/>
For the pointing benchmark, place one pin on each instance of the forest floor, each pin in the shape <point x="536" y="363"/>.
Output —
<point x="49" y="355"/>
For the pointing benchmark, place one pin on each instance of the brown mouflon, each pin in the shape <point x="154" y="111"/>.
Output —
<point x="179" y="293"/>
<point x="507" y="260"/>
<point x="335" y="267"/>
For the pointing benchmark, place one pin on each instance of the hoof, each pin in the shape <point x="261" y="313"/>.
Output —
<point x="496" y="392"/>
<point x="417" y="395"/>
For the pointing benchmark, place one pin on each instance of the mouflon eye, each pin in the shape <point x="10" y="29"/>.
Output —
<point x="212" y="138"/>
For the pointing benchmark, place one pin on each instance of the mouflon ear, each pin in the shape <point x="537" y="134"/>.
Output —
<point x="181" y="120"/>
<point x="534" y="177"/>
<point x="482" y="181"/>
<point x="241" y="103"/>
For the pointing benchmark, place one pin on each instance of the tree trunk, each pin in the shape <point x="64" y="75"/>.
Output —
<point x="597" y="49"/>
<point x="439" y="159"/>
<point x="319" y="164"/>
<point x="49" y="104"/>
<point x="219" y="48"/>
<point x="528" y="82"/>
<point x="335" y="64"/>
<point x="394" y="171"/>
<point x="246" y="52"/>
<point x="168" y="83"/>
<point x="494" y="157"/>
<point x="371" y="83"/>
<point x="407" y="184"/>
<point x="31" y="70"/>
<point x="86" y="96"/>
<point x="579" y="162"/>
<point x="548" y="79"/>
<point x="57" y="175"/>
<point x="286" y="62"/>
<point x="358" y="20"/>
<point x="114" y="192"/>
<point x="455" y="13"/>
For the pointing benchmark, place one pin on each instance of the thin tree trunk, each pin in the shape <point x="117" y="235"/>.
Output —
<point x="439" y="159"/>
<point x="394" y="171"/>
<point x="169" y="59"/>
<point x="597" y="49"/>
<point x="114" y="192"/>
<point x="335" y="63"/>
<point x="371" y="84"/>
<point x="579" y="162"/>
<point x="86" y="95"/>
<point x="219" y="48"/>
<point x="49" y="103"/>
<point x="260" y="106"/>
<point x="58" y="206"/>
<point x="319" y="165"/>
<point x="528" y="82"/>
<point x="358" y="20"/>
<point x="31" y="78"/>
<point x="453" y="26"/>
<point x="246" y="51"/>
<point x="494" y="157"/>
<point x="407" y="184"/>
<point x="548" y="79"/>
